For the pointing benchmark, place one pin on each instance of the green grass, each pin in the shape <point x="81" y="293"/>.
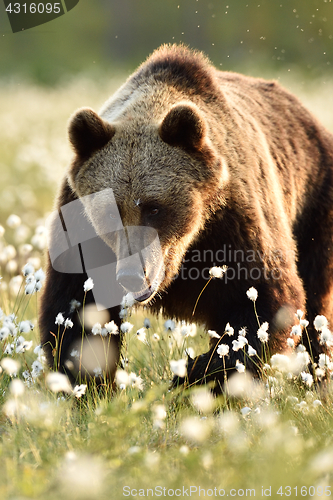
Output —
<point x="55" y="446"/>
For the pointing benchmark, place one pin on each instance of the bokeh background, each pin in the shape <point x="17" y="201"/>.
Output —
<point x="80" y="58"/>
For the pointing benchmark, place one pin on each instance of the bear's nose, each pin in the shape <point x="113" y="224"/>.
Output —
<point x="131" y="279"/>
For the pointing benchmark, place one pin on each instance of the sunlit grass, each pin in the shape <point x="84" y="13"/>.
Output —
<point x="276" y="432"/>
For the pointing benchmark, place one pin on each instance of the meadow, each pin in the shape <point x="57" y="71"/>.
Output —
<point x="272" y="437"/>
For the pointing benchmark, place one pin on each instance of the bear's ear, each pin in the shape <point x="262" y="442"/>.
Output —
<point x="88" y="132"/>
<point x="183" y="126"/>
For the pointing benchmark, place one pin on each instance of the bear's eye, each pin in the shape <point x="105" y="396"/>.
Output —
<point x="154" y="211"/>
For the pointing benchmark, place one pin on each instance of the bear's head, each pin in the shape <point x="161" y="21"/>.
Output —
<point x="166" y="180"/>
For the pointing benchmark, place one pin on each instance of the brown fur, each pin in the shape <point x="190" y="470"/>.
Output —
<point x="226" y="160"/>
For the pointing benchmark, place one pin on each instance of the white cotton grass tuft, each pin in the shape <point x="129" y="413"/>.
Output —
<point x="28" y="269"/>
<point x="126" y="327"/>
<point x="251" y="351"/>
<point x="213" y="335"/>
<point x="17" y="388"/>
<point x="96" y="329"/>
<point x="217" y="272"/>
<point x="10" y="366"/>
<point x="296" y="330"/>
<point x="229" y="330"/>
<point x="111" y="328"/>
<point x="128" y="300"/>
<point x="59" y="319"/>
<point x="141" y="334"/>
<point x="239" y="366"/>
<point x="222" y="350"/>
<point x="58" y="382"/>
<point x="79" y="390"/>
<point x="252" y="294"/>
<point x="203" y="400"/>
<point x="281" y="363"/>
<point x="178" y="367"/>
<point x="320" y="322"/>
<point x="195" y="429"/>
<point x="68" y="323"/>
<point x="13" y="221"/>
<point x="307" y="378"/>
<point x="88" y="285"/>
<point x="262" y="333"/>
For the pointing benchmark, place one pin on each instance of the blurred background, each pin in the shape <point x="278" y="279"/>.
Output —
<point x="80" y="58"/>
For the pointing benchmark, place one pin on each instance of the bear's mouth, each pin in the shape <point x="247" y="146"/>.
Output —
<point x="143" y="295"/>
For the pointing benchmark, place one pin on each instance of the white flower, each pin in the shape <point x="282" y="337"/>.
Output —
<point x="111" y="328"/>
<point x="203" y="400"/>
<point x="325" y="337"/>
<point x="236" y="345"/>
<point x="9" y="349"/>
<point x="229" y="330"/>
<point x="4" y="332"/>
<point x="245" y="411"/>
<point x="11" y="366"/>
<point x="252" y="294"/>
<point x="146" y="323"/>
<point x="188" y="330"/>
<point x="28" y="269"/>
<point x="239" y="366"/>
<point x="128" y="300"/>
<point x="37" y="368"/>
<point x="178" y="367"/>
<point x="141" y="335"/>
<point x="169" y="325"/>
<point x="325" y="362"/>
<point x="97" y="371"/>
<point x="320" y="322"/>
<point x="39" y="275"/>
<point x="213" y="334"/>
<point x="251" y="351"/>
<point x="75" y="353"/>
<point x="122" y="379"/>
<point x="16" y="387"/>
<point x="299" y="314"/>
<point x="317" y="402"/>
<point x="301" y="362"/>
<point x="25" y="326"/>
<point x="222" y="350"/>
<point x="75" y="304"/>
<point x="136" y="381"/>
<point x="262" y="334"/>
<point x="79" y="390"/>
<point x="296" y="330"/>
<point x="159" y="412"/>
<point x="2" y="231"/>
<point x="156" y="337"/>
<point x="88" y="285"/>
<point x="290" y="343"/>
<point x="30" y="287"/>
<point x="126" y="327"/>
<point x="96" y="329"/>
<point x="307" y="378"/>
<point x="58" y="382"/>
<point x="13" y="221"/>
<point x="24" y="346"/>
<point x="304" y="323"/>
<point x="59" y="319"/>
<point x="217" y="272"/>
<point x="242" y="332"/>
<point x="280" y="362"/>
<point x="69" y="323"/>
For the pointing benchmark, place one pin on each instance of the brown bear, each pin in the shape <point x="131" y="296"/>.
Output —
<point x="228" y="170"/>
